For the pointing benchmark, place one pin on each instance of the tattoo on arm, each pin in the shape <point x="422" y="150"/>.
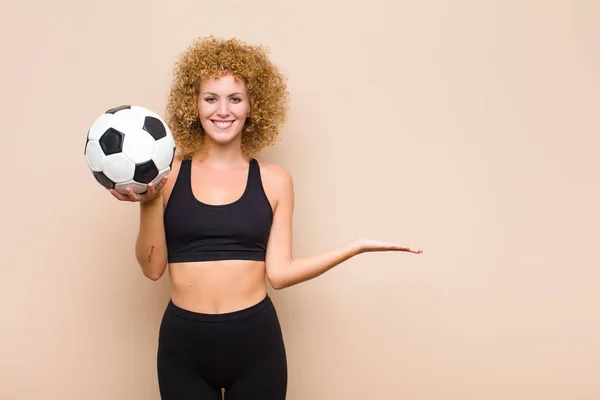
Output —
<point x="151" y="252"/>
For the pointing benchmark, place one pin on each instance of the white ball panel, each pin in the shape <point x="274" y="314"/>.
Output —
<point x="135" y="186"/>
<point x="94" y="156"/>
<point x="163" y="152"/>
<point x="127" y="121"/>
<point x="100" y="126"/>
<point x="170" y="134"/>
<point x="118" y="168"/>
<point x="171" y="139"/>
<point x="138" y="145"/>
<point x="144" y="112"/>
<point x="139" y="113"/>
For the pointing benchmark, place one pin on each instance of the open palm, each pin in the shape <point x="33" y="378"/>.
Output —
<point x="370" y="245"/>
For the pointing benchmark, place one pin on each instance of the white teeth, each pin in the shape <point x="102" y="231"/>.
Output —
<point x="223" y="124"/>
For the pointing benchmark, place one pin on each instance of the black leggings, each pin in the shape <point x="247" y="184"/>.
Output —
<point x="241" y="351"/>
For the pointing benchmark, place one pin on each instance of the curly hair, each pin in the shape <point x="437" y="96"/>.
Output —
<point x="213" y="58"/>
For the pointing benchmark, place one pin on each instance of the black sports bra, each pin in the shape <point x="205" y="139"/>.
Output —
<point x="196" y="231"/>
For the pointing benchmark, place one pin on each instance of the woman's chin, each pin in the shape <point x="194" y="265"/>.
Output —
<point x="222" y="138"/>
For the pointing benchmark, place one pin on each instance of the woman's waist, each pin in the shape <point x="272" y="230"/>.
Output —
<point x="217" y="286"/>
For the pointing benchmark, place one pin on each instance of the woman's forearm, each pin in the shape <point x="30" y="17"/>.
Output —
<point x="150" y="247"/>
<point x="306" y="268"/>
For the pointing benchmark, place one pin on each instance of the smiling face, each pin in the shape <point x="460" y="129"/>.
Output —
<point x="223" y="107"/>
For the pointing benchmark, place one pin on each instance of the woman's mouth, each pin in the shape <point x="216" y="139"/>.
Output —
<point x="223" y="125"/>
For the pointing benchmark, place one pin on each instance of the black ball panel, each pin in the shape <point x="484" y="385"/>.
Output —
<point x="111" y="141"/>
<point x="154" y="127"/>
<point x="117" y="109"/>
<point x="145" y="172"/>
<point x="103" y="180"/>
<point x="172" y="159"/>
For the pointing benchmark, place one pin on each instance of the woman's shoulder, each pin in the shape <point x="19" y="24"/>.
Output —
<point x="275" y="174"/>
<point x="277" y="182"/>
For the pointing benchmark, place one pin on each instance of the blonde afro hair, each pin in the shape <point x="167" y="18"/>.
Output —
<point x="212" y="58"/>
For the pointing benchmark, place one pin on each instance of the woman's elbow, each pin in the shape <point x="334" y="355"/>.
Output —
<point x="277" y="285"/>
<point x="277" y="281"/>
<point x="154" y="272"/>
<point x="153" y="275"/>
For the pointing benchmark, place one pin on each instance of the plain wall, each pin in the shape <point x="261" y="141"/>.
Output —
<point x="470" y="129"/>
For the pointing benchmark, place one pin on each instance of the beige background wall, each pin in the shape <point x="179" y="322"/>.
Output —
<point x="469" y="128"/>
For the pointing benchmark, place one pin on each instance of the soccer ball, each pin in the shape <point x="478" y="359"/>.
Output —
<point x="129" y="146"/>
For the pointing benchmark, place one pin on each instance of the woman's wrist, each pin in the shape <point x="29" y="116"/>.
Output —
<point x="153" y="202"/>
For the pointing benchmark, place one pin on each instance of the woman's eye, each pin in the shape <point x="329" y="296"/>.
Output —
<point x="236" y="99"/>
<point x="209" y="99"/>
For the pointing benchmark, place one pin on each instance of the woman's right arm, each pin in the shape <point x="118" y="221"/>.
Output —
<point x="151" y="244"/>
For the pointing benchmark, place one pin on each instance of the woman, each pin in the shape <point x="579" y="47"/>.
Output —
<point x="222" y="221"/>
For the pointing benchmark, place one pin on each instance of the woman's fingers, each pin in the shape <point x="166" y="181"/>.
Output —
<point x="118" y="195"/>
<point x="159" y="185"/>
<point x="131" y="195"/>
<point x="162" y="182"/>
<point x="150" y="191"/>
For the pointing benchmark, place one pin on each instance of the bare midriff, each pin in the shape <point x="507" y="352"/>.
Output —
<point x="217" y="287"/>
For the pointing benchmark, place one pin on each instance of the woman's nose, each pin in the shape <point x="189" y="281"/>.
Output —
<point x="223" y="109"/>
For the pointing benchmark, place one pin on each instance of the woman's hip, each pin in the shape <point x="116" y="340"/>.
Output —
<point x="221" y="348"/>
<point x="247" y="331"/>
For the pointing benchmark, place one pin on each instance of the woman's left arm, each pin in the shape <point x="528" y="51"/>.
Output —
<point x="282" y="269"/>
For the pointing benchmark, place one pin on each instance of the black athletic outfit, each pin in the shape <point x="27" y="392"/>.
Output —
<point x="241" y="351"/>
